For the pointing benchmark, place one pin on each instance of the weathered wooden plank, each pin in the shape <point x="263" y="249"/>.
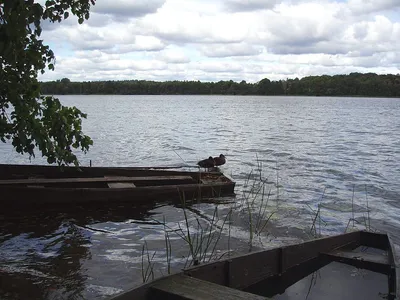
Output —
<point x="139" y="292"/>
<point x="368" y="261"/>
<point x="15" y="195"/>
<point x="248" y="270"/>
<point x="7" y="171"/>
<point x="299" y="253"/>
<point x="185" y="287"/>
<point x="120" y="185"/>
<point x="93" y="179"/>
<point x="279" y="283"/>
<point x="216" y="272"/>
<point x="278" y="276"/>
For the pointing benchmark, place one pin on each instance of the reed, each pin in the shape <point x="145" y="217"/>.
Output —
<point x="368" y="210"/>
<point x="167" y="247"/>
<point x="255" y="202"/>
<point x="352" y="205"/>
<point x="149" y="270"/>
<point x="202" y="241"/>
<point x="366" y="221"/>
<point x="316" y="217"/>
<point x="202" y="234"/>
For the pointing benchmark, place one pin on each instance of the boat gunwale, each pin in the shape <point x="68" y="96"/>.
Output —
<point x="137" y="188"/>
<point x="140" y="291"/>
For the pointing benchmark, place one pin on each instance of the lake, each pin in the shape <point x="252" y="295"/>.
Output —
<point x="335" y="156"/>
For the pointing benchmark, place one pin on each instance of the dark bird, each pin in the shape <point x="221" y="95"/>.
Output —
<point x="220" y="160"/>
<point x="207" y="163"/>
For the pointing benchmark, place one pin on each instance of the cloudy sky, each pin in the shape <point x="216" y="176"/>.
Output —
<point x="211" y="40"/>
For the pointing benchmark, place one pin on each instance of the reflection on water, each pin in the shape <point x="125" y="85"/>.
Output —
<point x="44" y="263"/>
<point x="338" y="281"/>
<point x="318" y="150"/>
<point x="43" y="253"/>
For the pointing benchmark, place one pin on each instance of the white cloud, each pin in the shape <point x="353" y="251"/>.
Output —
<point x="249" y="5"/>
<point x="370" y="6"/>
<point x="174" y="55"/>
<point x="217" y="67"/>
<point x="127" y="8"/>
<point x="226" y="39"/>
<point x="139" y="43"/>
<point x="227" y="50"/>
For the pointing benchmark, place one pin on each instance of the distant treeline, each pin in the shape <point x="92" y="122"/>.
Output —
<point x="354" y="84"/>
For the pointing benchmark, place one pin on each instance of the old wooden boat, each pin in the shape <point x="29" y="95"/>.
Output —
<point x="45" y="184"/>
<point x="273" y="272"/>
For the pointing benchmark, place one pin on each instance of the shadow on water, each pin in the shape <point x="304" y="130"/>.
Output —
<point x="43" y="265"/>
<point x="335" y="281"/>
<point x="324" y="279"/>
<point x="41" y="251"/>
<point x="53" y="253"/>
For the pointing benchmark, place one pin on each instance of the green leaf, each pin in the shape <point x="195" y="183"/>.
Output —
<point x="35" y="120"/>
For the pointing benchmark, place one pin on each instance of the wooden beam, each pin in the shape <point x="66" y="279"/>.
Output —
<point x="277" y="284"/>
<point x="120" y="185"/>
<point x="215" y="271"/>
<point x="248" y="270"/>
<point x="185" y="287"/>
<point x="296" y="254"/>
<point x="368" y="261"/>
<point x="374" y="240"/>
<point x="92" y="179"/>
<point x="7" y="170"/>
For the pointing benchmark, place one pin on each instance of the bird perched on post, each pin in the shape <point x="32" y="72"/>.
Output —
<point x="207" y="163"/>
<point x="219" y="160"/>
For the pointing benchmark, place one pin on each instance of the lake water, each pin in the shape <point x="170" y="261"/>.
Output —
<point x="340" y="153"/>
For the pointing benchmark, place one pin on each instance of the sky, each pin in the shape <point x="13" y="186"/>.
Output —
<point x="212" y="40"/>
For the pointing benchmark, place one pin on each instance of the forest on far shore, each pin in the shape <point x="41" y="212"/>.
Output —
<point x="353" y="84"/>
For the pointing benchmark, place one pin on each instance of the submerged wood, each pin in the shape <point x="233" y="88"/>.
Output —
<point x="38" y="184"/>
<point x="269" y="272"/>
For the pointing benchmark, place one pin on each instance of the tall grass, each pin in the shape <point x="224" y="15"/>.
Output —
<point x="147" y="271"/>
<point x="365" y="223"/>
<point x="201" y="235"/>
<point x="256" y="194"/>
<point x="200" y="239"/>
<point x="316" y="217"/>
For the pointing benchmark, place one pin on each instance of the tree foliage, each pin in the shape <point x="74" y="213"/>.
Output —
<point x="27" y="118"/>
<point x="354" y="84"/>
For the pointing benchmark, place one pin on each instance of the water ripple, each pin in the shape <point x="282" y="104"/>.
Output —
<point x="319" y="150"/>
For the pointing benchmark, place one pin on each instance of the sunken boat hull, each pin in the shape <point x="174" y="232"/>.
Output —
<point x="39" y="184"/>
<point x="271" y="272"/>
